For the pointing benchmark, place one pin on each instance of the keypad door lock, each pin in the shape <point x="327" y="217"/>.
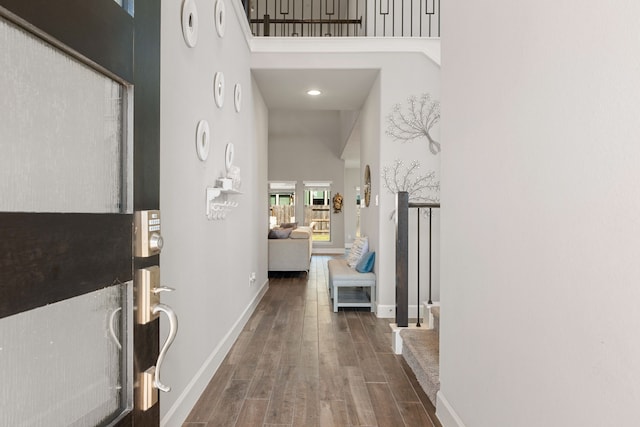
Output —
<point x="147" y="233"/>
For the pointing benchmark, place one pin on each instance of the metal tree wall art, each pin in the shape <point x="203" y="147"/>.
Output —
<point x="421" y="187"/>
<point x="421" y="114"/>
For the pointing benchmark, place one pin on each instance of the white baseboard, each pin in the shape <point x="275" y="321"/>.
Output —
<point x="445" y="412"/>
<point x="327" y="251"/>
<point x="176" y="415"/>
<point x="386" y="311"/>
<point x="389" y="311"/>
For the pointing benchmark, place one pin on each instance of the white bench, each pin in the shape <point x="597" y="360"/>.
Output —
<point x="348" y="287"/>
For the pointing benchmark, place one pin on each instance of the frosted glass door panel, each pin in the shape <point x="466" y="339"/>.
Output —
<point x="61" y="132"/>
<point x="63" y="148"/>
<point x="63" y="364"/>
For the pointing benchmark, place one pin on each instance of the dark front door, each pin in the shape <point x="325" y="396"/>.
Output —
<point x="79" y="153"/>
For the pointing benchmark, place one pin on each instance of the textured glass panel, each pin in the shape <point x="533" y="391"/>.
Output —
<point x="61" y="130"/>
<point x="126" y="5"/>
<point x="60" y="365"/>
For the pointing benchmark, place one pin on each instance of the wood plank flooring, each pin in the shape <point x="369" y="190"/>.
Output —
<point x="296" y="363"/>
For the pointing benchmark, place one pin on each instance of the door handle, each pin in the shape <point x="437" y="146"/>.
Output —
<point x="112" y="331"/>
<point x="173" y="330"/>
<point x="148" y="308"/>
<point x="159" y="289"/>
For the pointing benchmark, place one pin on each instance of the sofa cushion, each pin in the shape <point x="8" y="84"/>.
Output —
<point x="365" y="265"/>
<point x="289" y="225"/>
<point x="300" y="233"/>
<point x="280" y="233"/>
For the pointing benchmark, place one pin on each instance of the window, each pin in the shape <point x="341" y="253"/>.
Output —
<point x="317" y="209"/>
<point x="282" y="207"/>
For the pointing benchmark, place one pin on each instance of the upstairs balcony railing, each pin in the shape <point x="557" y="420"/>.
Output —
<point x="344" y="18"/>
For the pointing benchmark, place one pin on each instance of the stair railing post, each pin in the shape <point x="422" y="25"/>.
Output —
<point x="418" y="300"/>
<point x="402" y="261"/>
<point x="430" y="216"/>
<point x="267" y="26"/>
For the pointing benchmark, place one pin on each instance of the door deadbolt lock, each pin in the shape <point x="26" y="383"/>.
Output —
<point x="147" y="233"/>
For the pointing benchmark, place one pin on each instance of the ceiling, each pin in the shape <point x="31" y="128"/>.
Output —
<point x="345" y="89"/>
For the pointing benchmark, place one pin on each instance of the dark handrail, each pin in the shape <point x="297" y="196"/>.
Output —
<point x="306" y="21"/>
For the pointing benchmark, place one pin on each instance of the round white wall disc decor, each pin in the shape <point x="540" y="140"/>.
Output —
<point x="237" y="97"/>
<point x="203" y="140"/>
<point x="190" y="22"/>
<point x="218" y="89"/>
<point x="220" y="16"/>
<point x="228" y="156"/>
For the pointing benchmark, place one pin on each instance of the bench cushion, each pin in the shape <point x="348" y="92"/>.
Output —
<point x="343" y="275"/>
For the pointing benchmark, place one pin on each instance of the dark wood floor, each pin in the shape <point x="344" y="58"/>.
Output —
<point x="296" y="363"/>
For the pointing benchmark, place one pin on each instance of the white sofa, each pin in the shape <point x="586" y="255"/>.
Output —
<point x="292" y="253"/>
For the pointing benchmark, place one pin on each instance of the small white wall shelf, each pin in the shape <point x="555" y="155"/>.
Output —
<point x="218" y="210"/>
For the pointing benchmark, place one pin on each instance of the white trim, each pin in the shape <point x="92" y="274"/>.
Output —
<point x="283" y="185"/>
<point x="396" y="338"/>
<point x="426" y="307"/>
<point x="387" y="311"/>
<point x="327" y="251"/>
<point x="317" y="184"/>
<point x="241" y="16"/>
<point x="445" y="412"/>
<point x="176" y="415"/>
<point x="429" y="46"/>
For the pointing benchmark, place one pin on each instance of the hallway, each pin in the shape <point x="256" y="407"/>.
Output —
<point x="296" y="363"/>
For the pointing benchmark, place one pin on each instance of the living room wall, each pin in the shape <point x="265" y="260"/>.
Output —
<point x="208" y="262"/>
<point x="351" y="181"/>
<point x="305" y="146"/>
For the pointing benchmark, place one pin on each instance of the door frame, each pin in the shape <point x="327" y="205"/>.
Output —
<point x="103" y="33"/>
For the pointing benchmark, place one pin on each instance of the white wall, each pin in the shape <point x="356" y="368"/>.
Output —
<point x="208" y="262"/>
<point x="351" y="181"/>
<point x="540" y="224"/>
<point x="402" y="74"/>
<point x="370" y="155"/>
<point x="306" y="146"/>
<point x="409" y="76"/>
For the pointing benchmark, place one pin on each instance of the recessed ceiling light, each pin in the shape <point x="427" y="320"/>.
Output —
<point x="313" y="92"/>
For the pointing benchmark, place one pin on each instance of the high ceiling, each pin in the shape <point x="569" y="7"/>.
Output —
<point x="341" y="89"/>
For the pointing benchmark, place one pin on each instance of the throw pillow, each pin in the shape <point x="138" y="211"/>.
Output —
<point x="289" y="225"/>
<point x="366" y="263"/>
<point x="355" y="247"/>
<point x="280" y="233"/>
<point x="358" y="249"/>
